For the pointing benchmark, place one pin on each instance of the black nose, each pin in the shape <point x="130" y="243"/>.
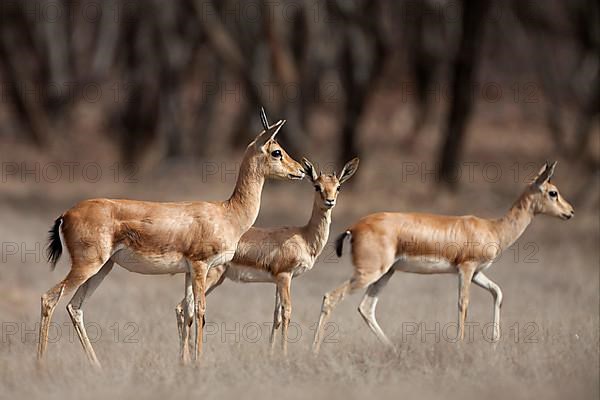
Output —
<point x="569" y="216"/>
<point x="330" y="202"/>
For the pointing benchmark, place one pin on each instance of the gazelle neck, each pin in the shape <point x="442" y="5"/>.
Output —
<point x="244" y="202"/>
<point x="512" y="225"/>
<point x="317" y="230"/>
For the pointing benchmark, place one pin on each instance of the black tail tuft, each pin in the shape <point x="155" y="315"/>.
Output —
<point x="54" y="249"/>
<point x="339" y="243"/>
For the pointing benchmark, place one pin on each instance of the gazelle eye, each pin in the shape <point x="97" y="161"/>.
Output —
<point x="553" y="193"/>
<point x="276" y="153"/>
<point x="317" y="188"/>
<point x="338" y="188"/>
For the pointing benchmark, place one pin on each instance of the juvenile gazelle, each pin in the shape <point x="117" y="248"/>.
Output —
<point x="433" y="244"/>
<point x="160" y="238"/>
<point x="279" y="254"/>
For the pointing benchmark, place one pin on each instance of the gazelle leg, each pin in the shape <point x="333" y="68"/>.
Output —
<point x="199" y="272"/>
<point x="284" y="282"/>
<point x="465" y="275"/>
<point x="483" y="281"/>
<point x="49" y="301"/>
<point x="74" y="308"/>
<point x="185" y="317"/>
<point x="276" y="319"/>
<point x="179" y="316"/>
<point x="184" y="311"/>
<point x="215" y="277"/>
<point x="369" y="303"/>
<point x="330" y="301"/>
<point x="74" y="279"/>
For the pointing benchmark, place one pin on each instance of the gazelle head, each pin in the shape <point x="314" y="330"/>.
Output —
<point x="546" y="197"/>
<point x="327" y="186"/>
<point x="272" y="159"/>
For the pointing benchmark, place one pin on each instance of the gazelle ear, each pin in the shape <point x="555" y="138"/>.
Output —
<point x="545" y="174"/>
<point x="349" y="170"/>
<point x="309" y="170"/>
<point x="552" y="167"/>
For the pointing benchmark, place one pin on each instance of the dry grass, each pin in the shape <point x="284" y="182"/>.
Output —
<point x="558" y="294"/>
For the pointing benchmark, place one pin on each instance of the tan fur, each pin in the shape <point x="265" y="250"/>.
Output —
<point x="279" y="254"/>
<point x="427" y="243"/>
<point x="162" y="238"/>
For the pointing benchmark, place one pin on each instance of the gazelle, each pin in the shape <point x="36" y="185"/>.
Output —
<point x="278" y="254"/>
<point x="433" y="244"/>
<point x="159" y="238"/>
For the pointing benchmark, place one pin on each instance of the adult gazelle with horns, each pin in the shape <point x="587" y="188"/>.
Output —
<point x="160" y="238"/>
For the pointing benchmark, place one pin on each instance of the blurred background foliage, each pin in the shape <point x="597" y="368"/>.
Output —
<point x="184" y="79"/>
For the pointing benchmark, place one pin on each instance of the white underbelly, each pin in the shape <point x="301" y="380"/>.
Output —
<point x="425" y="265"/>
<point x="220" y="259"/>
<point x="483" y="267"/>
<point x="150" y="264"/>
<point x="241" y="273"/>
<point x="299" y="270"/>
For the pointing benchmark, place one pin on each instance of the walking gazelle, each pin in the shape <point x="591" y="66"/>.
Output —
<point x="160" y="238"/>
<point x="278" y="254"/>
<point x="433" y="244"/>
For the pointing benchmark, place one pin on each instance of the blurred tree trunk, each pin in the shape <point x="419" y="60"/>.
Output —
<point x="426" y="50"/>
<point x="354" y="103"/>
<point x="474" y="13"/>
<point x="23" y="82"/>
<point x="582" y="84"/>
<point x="140" y="111"/>
<point x="423" y="67"/>
<point x="286" y="66"/>
<point x="362" y="59"/>
<point x="204" y="119"/>
<point x="107" y="38"/>
<point x="589" y="34"/>
<point x="174" y="55"/>
<point x="230" y="53"/>
<point x="57" y="41"/>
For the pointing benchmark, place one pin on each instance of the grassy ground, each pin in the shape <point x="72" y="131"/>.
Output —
<point x="550" y="279"/>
